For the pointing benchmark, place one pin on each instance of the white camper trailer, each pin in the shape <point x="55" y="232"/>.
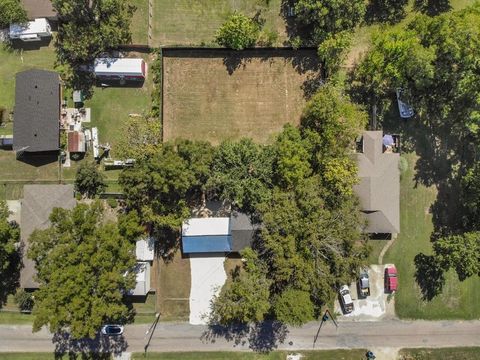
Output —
<point x="35" y="30"/>
<point x="120" y="69"/>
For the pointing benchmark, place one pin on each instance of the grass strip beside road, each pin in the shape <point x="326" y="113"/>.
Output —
<point x="274" y="355"/>
<point x="460" y="353"/>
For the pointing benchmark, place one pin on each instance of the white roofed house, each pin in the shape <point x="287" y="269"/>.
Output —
<point x="142" y="279"/>
<point x="34" y="30"/>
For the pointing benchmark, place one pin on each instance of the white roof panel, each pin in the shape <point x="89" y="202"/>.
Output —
<point x="36" y="26"/>
<point x="145" y="249"/>
<point x="118" y="65"/>
<point x="206" y="226"/>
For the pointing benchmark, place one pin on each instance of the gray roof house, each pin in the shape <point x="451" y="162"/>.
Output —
<point x="36" y="125"/>
<point x="37" y="204"/>
<point x="379" y="187"/>
<point x="39" y="9"/>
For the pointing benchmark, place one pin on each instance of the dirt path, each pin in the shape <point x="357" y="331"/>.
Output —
<point x="385" y="249"/>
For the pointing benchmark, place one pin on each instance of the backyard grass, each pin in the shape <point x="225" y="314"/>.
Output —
<point x="274" y="355"/>
<point x="458" y="300"/>
<point x="14" y="61"/>
<point x="174" y="288"/>
<point x="194" y="22"/>
<point x="139" y="25"/>
<point x="218" y="94"/>
<point x="460" y="353"/>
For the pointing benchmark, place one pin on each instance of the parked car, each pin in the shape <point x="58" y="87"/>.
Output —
<point x="391" y="280"/>
<point x="346" y="299"/>
<point x="112" y="330"/>
<point x="364" y="284"/>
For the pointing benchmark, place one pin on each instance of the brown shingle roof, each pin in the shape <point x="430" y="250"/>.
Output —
<point x="379" y="187"/>
<point x="39" y="9"/>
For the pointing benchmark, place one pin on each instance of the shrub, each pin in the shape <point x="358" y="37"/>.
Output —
<point x="112" y="203"/>
<point x="24" y="300"/>
<point x="238" y="32"/>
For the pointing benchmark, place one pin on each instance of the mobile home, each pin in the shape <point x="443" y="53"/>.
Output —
<point x="119" y="69"/>
<point x="35" y="30"/>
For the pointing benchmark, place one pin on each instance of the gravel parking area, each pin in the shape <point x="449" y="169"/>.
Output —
<point x="375" y="307"/>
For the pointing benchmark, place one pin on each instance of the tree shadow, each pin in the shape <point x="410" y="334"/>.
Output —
<point x="168" y="243"/>
<point x="233" y="63"/>
<point x="10" y="277"/>
<point x="261" y="337"/>
<point x="102" y="347"/>
<point x="429" y="276"/>
<point x="432" y="7"/>
<point x="377" y="12"/>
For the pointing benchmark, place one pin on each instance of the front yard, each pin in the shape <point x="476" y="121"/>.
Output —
<point x="459" y="300"/>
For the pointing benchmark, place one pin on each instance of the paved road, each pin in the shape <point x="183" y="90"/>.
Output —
<point x="184" y="337"/>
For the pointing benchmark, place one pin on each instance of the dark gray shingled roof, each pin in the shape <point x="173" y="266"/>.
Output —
<point x="36" y="124"/>
<point x="242" y="231"/>
<point x="379" y="187"/>
<point x="37" y="204"/>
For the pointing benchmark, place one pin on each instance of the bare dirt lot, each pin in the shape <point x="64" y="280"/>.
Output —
<point x="218" y="94"/>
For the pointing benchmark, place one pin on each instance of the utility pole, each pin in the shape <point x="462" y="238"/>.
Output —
<point x="326" y="316"/>
<point x="151" y="330"/>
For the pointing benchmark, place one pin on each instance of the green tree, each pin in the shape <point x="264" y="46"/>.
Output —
<point x="88" y="180"/>
<point x="242" y="173"/>
<point x="334" y="50"/>
<point x="246" y="298"/>
<point x="294" y="307"/>
<point x="84" y="268"/>
<point x="292" y="157"/>
<point x="9" y="255"/>
<point x="24" y="300"/>
<point x="238" y="32"/>
<point x="141" y="138"/>
<point x="11" y="11"/>
<point x="335" y="120"/>
<point x="130" y="225"/>
<point x="460" y="252"/>
<point x="157" y="188"/>
<point x="321" y="18"/>
<point x="91" y="27"/>
<point x="390" y="11"/>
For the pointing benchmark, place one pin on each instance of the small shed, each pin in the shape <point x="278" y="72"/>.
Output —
<point x="145" y="249"/>
<point x="142" y="285"/>
<point x="76" y="142"/>
<point x="34" y="30"/>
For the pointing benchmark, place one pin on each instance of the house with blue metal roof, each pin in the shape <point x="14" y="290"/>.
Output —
<point x="217" y="234"/>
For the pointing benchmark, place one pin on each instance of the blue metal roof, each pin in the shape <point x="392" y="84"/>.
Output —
<point x="206" y="244"/>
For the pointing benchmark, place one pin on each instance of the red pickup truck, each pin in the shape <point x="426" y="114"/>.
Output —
<point x="391" y="280"/>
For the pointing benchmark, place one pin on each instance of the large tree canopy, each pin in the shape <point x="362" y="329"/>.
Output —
<point x="85" y="268"/>
<point x="242" y="173"/>
<point x="91" y="27"/>
<point x="11" y="11"/>
<point x="9" y="255"/>
<point x="320" y="18"/>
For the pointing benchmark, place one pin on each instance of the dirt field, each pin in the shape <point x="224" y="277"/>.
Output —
<point x="219" y="94"/>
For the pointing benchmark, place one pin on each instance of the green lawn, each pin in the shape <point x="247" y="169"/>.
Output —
<point x="274" y="355"/>
<point x="139" y="25"/>
<point x="193" y="22"/>
<point x="49" y="356"/>
<point x="465" y="353"/>
<point x="7" y="317"/>
<point x="459" y="300"/>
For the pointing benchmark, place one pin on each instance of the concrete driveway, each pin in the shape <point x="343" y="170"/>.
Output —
<point x="208" y="276"/>
<point x="375" y="307"/>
